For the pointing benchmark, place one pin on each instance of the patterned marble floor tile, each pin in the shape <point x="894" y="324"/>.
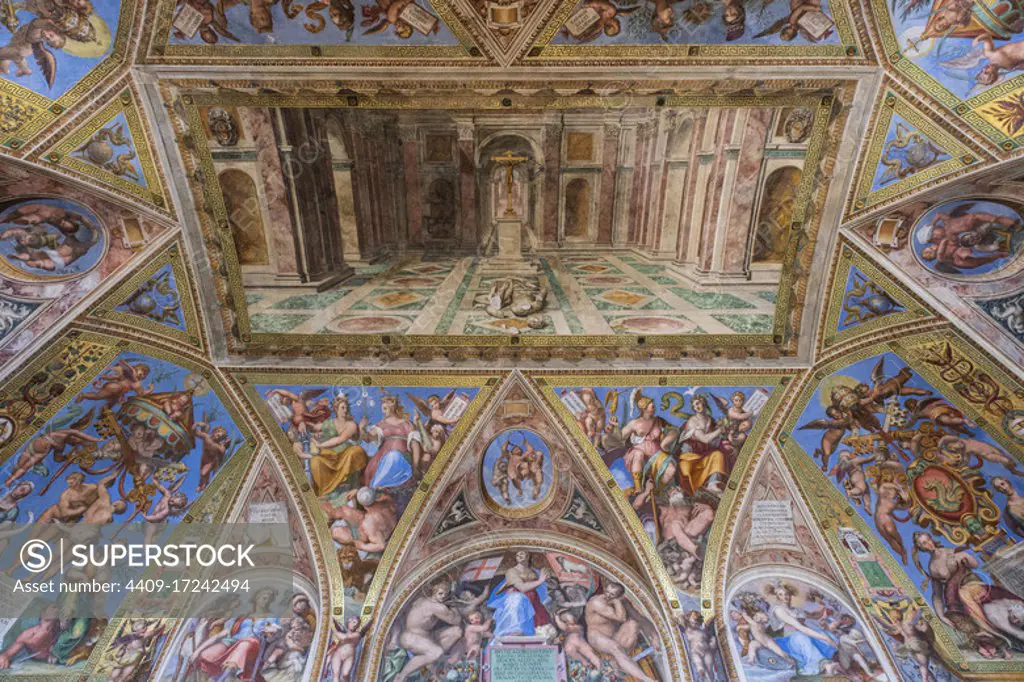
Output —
<point x="769" y="296"/>
<point x="482" y="323"/>
<point x="746" y="323"/>
<point x="269" y="323"/>
<point x="708" y="300"/>
<point x="398" y="299"/>
<point x="368" y="324"/>
<point x="252" y="298"/>
<point x="626" y="298"/>
<point x="653" y="324"/>
<point x="311" y="301"/>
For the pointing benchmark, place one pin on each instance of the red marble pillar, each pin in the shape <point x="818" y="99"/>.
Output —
<point x="413" y="184"/>
<point x="552" y="181"/>
<point x="470" y="229"/>
<point x="733" y="259"/>
<point x="713" y="200"/>
<point x="284" y="251"/>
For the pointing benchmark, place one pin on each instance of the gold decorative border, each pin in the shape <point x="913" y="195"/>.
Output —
<point x="828" y="506"/>
<point x="715" y="557"/>
<point x="675" y="657"/>
<point x="62" y="153"/>
<point x="249" y="379"/>
<point x="967" y="110"/>
<point x="161" y="50"/>
<point x="646" y="53"/>
<point x="892" y="104"/>
<point x="43" y="110"/>
<point x="848" y="255"/>
<point x="175" y="256"/>
<point x="792" y="290"/>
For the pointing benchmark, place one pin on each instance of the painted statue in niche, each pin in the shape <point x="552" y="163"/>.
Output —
<point x="968" y="47"/>
<point x="627" y="22"/>
<point x="968" y="237"/>
<point x="324" y="22"/>
<point x="364" y="450"/>
<point x="49" y="240"/>
<point x="938" y="491"/>
<point x="53" y="44"/>
<point x="576" y="622"/>
<point x="517" y="470"/>
<point x="785" y="629"/>
<point x="671" y="451"/>
<point x="141" y="441"/>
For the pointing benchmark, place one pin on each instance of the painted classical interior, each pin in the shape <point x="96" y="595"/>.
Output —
<point x="565" y="340"/>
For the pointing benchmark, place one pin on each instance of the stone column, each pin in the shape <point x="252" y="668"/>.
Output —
<point x="305" y="158"/>
<point x="469" y="234"/>
<point x="609" y="168"/>
<point x="552" y="182"/>
<point x="414" y="196"/>
<point x="677" y="166"/>
<point x="625" y="159"/>
<point x="341" y="171"/>
<point x="746" y="153"/>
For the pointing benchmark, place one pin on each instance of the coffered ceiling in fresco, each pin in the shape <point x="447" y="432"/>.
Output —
<point x="673" y="340"/>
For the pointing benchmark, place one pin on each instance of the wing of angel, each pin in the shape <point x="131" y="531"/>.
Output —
<point x="311" y="393"/>
<point x="84" y="421"/>
<point x="774" y="28"/>
<point x="822" y="423"/>
<point x="966" y="61"/>
<point x="611" y="402"/>
<point x="878" y="371"/>
<point x="447" y="399"/>
<point x="961" y="211"/>
<point x="420" y="403"/>
<point x="46" y="61"/>
<point x="722" y="403"/>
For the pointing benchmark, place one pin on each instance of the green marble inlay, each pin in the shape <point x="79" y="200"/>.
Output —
<point x="563" y="301"/>
<point x="745" y="323"/>
<point x="665" y="279"/>
<point x="252" y="299"/>
<point x="769" y="296"/>
<point x="710" y="300"/>
<point x="310" y="301"/>
<point x="445" y="323"/>
<point x="269" y="323"/>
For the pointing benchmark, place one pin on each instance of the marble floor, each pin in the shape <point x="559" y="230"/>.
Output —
<point x="590" y="293"/>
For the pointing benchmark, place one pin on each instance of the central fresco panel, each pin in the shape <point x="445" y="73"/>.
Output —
<point x="677" y="218"/>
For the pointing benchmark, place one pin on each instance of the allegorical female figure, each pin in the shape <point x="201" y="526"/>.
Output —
<point x="399" y="446"/>
<point x="704" y="466"/>
<point x="339" y="458"/>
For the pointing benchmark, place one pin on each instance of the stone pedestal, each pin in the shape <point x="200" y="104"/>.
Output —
<point x="509" y="259"/>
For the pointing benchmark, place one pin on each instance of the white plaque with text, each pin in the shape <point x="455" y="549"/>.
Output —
<point x="772" y="524"/>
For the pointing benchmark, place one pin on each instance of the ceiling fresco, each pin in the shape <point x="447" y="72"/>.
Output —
<point x="570" y="340"/>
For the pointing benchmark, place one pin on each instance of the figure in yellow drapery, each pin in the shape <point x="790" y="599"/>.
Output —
<point x="336" y="457"/>
<point x="705" y="466"/>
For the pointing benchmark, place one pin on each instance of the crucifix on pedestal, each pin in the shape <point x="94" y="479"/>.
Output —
<point x="509" y="160"/>
<point x="508" y="228"/>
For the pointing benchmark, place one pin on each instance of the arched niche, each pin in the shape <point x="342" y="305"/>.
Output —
<point x="491" y="178"/>
<point x="242" y="203"/>
<point x="785" y="623"/>
<point x="475" y="575"/>
<point x="778" y="197"/>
